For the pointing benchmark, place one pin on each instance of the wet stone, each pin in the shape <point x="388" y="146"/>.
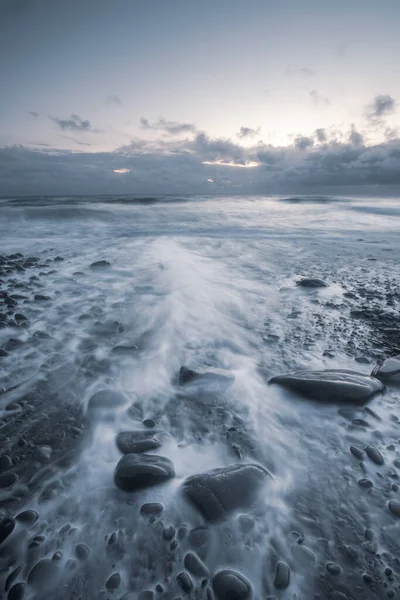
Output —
<point x="220" y="491"/>
<point x="168" y="533"/>
<point x="309" y="282"/>
<point x="56" y="556"/>
<point x="365" y="483"/>
<point x="106" y="399"/>
<point x="195" y="566"/>
<point x="12" y="577"/>
<point x="394" y="507"/>
<point x="7" y="524"/>
<point x="210" y="378"/>
<point x="28" y="518"/>
<point x="333" y="569"/>
<point x="332" y="385"/>
<point x="136" y="441"/>
<point x="139" y="471"/>
<point x="150" y="423"/>
<point x="151" y="508"/>
<point x="389" y="370"/>
<point x="43" y="573"/>
<point x="113" y="582"/>
<point x="184" y="581"/>
<point x="302" y="554"/>
<point x="82" y="551"/>
<point x="41" y="298"/>
<point x="374" y="455"/>
<point x="100" y="264"/>
<point x="5" y="462"/>
<point x="17" y="592"/>
<point x="282" y="576"/>
<point x="230" y="585"/>
<point x="357" y="452"/>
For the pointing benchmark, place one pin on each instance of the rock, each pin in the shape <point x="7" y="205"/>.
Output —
<point x="150" y="423"/>
<point x="357" y="452"/>
<point x="42" y="453"/>
<point x="41" y="298"/>
<point x="389" y="370"/>
<point x="125" y="350"/>
<point x="229" y="585"/>
<point x="5" y="462"/>
<point x="139" y="471"/>
<point x="195" y="566"/>
<point x="199" y="538"/>
<point x="309" y="282"/>
<point x="374" y="455"/>
<point x="8" y="479"/>
<point x="136" y="441"/>
<point x="106" y="399"/>
<point x="144" y="595"/>
<point x="7" y="524"/>
<point x="82" y="551"/>
<point x="113" y="582"/>
<point x="151" y="508"/>
<point x="282" y="576"/>
<point x="220" y="491"/>
<point x="56" y="556"/>
<point x="184" y="581"/>
<point x="17" y="592"/>
<point x="43" y="574"/>
<point x="302" y="554"/>
<point x="100" y="264"/>
<point x="332" y="385"/>
<point x="394" y="507"/>
<point x="365" y="483"/>
<point x="333" y="569"/>
<point x="28" y="518"/>
<point x="168" y="533"/>
<point x="207" y="379"/>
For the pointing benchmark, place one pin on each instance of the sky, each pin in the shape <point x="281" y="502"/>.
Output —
<point x="198" y="96"/>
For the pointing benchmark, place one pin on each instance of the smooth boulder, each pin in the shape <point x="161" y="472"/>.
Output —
<point x="209" y="379"/>
<point x="332" y="385"/>
<point x="136" y="441"/>
<point x="221" y="491"/>
<point x="106" y="399"/>
<point x="100" y="264"/>
<point x="230" y="585"/>
<point x="389" y="370"/>
<point x="139" y="471"/>
<point x="310" y="282"/>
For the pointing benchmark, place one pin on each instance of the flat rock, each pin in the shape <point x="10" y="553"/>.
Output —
<point x="106" y="399"/>
<point x="209" y="379"/>
<point x="220" y="491"/>
<point x="139" y="471"/>
<point x="136" y="441"/>
<point x="389" y="370"/>
<point x="311" y="282"/>
<point x="332" y="385"/>
<point x="230" y="585"/>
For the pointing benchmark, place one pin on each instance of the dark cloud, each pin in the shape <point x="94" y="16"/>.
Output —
<point x="113" y="99"/>
<point x="303" y="142"/>
<point x="355" y="138"/>
<point x="75" y="123"/>
<point x="33" y="114"/>
<point x="319" y="99"/>
<point x="170" y="127"/>
<point x="381" y="107"/>
<point x="247" y="132"/>
<point x="321" y="136"/>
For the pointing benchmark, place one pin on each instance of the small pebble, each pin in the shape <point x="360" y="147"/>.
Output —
<point x="394" y="507"/>
<point x="168" y="533"/>
<point x="282" y="576"/>
<point x="184" y="581"/>
<point x="149" y="423"/>
<point x="365" y="483"/>
<point x="357" y="452"/>
<point x="333" y="569"/>
<point x="151" y="508"/>
<point x="82" y="551"/>
<point x="374" y="455"/>
<point x="113" y="582"/>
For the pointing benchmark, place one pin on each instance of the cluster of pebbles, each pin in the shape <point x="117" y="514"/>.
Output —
<point x="215" y="495"/>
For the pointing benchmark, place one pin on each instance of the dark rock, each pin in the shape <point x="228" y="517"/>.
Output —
<point x="7" y="524"/>
<point x="229" y="585"/>
<point x="374" y="455"/>
<point x="58" y="259"/>
<point x="389" y="370"/>
<point x="43" y="573"/>
<point x="332" y="385"/>
<point x="106" y="399"/>
<point x="282" y="576"/>
<point x="150" y="423"/>
<point x="13" y="344"/>
<point x="12" y="577"/>
<point x="365" y="483"/>
<point x="100" y="264"/>
<point x="41" y="298"/>
<point x="168" y="532"/>
<point x="333" y="569"/>
<point x="28" y="518"/>
<point x="151" y="508"/>
<point x="125" y="350"/>
<point x="5" y="462"/>
<point x="195" y="566"/>
<point x="82" y="551"/>
<point x="220" y="491"/>
<point x="113" y="582"/>
<point x="3" y="353"/>
<point x="56" y="556"/>
<point x="311" y="283"/>
<point x="17" y="592"/>
<point x="394" y="507"/>
<point x="144" y="595"/>
<point x="209" y="379"/>
<point x="136" y="441"/>
<point x="357" y="452"/>
<point x="388" y="571"/>
<point x="138" y="471"/>
<point x="184" y="581"/>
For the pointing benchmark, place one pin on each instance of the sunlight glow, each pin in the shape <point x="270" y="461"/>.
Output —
<point x="122" y="171"/>
<point x="221" y="163"/>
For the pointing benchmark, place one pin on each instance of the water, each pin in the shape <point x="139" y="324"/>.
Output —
<point x="201" y="282"/>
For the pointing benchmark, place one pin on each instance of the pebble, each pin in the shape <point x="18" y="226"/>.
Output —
<point x="151" y="508"/>
<point x="367" y="578"/>
<point x="310" y="282"/>
<point x="184" y="581"/>
<point x="374" y="455"/>
<point x="42" y="573"/>
<point x="100" y="264"/>
<point x="365" y="483"/>
<point x="5" y="462"/>
<point x="12" y="576"/>
<point x="282" y="576"/>
<point x="150" y="423"/>
<point x="113" y="582"/>
<point x="7" y="524"/>
<point x="388" y="571"/>
<point x="229" y="585"/>
<point x="139" y="471"/>
<point x="302" y="554"/>
<point x="56" y="556"/>
<point x="333" y="569"/>
<point x="168" y="533"/>
<point x="8" y="479"/>
<point x="27" y="517"/>
<point x="357" y="452"/>
<point x="82" y="551"/>
<point x="394" y="507"/>
<point x="195" y="566"/>
<point x="136" y="441"/>
<point x="17" y="592"/>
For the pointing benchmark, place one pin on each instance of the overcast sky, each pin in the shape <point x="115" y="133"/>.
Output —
<point x="157" y="96"/>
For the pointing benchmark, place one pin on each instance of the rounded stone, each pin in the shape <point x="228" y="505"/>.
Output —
<point x="394" y="507"/>
<point x="169" y="533"/>
<point x="151" y="508"/>
<point x="374" y="455"/>
<point x="27" y="518"/>
<point x="7" y="524"/>
<point x="230" y="585"/>
<point x="8" y="479"/>
<point x="139" y="471"/>
<point x="136" y="441"/>
<point x="106" y="399"/>
<point x="357" y="452"/>
<point x="195" y="566"/>
<point x="43" y="573"/>
<point x="184" y="581"/>
<point x="82" y="551"/>
<point x="5" y="462"/>
<point x="365" y="483"/>
<point x="333" y="569"/>
<point x="282" y="576"/>
<point x="113" y="582"/>
<point x="17" y="592"/>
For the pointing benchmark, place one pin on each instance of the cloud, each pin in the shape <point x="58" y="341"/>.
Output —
<point x="321" y="136"/>
<point x="33" y="114"/>
<point x="303" y="72"/>
<point x="169" y="127"/>
<point x="75" y="123"/>
<point x="381" y="107"/>
<point x="303" y="142"/>
<point x="355" y="138"/>
<point x="113" y="99"/>
<point x="318" y="99"/>
<point x="247" y="132"/>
